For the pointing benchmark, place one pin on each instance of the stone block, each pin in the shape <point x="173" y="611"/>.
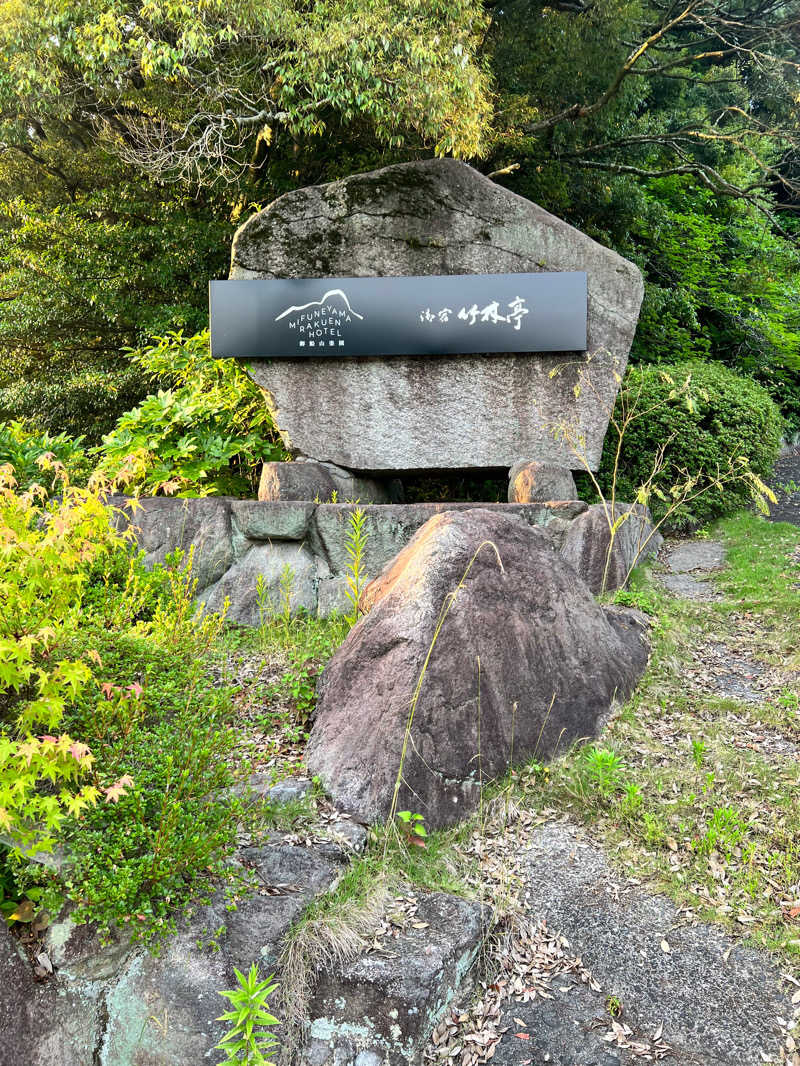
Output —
<point x="532" y="482"/>
<point x="381" y="1007"/>
<point x="163" y="524"/>
<point x="414" y="413"/>
<point x="296" y="481"/>
<point x="332" y="596"/>
<point x="556" y="530"/>
<point x="350" y="488"/>
<point x="390" y="527"/>
<point x="603" y="565"/>
<point x="306" y="479"/>
<point x="271" y="520"/>
<point x="239" y="584"/>
<point x="289" y="790"/>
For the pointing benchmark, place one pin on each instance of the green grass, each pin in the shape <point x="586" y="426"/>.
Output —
<point x="711" y="821"/>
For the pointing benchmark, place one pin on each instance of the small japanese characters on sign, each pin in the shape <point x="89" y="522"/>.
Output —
<point x="490" y="313"/>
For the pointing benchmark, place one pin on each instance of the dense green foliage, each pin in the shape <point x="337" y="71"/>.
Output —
<point x="113" y="737"/>
<point x="42" y="574"/>
<point x="38" y="458"/>
<point x="721" y="286"/>
<point x="681" y="162"/>
<point x="692" y="420"/>
<point x="205" y="435"/>
<point x="156" y="72"/>
<point x="89" y="265"/>
<point x="684" y="167"/>
<point x="81" y="404"/>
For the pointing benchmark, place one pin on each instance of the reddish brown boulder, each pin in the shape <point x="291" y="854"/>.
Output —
<point x="525" y="663"/>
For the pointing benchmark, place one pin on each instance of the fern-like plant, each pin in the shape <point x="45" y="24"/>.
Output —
<point x="250" y="1034"/>
<point x="355" y="546"/>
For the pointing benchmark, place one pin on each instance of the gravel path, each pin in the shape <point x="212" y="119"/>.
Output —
<point x="686" y="565"/>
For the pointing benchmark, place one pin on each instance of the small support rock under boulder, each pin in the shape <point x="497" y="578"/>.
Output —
<point x="317" y="482"/>
<point x="534" y="482"/>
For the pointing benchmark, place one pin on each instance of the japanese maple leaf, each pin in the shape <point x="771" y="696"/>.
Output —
<point x="79" y="751"/>
<point x="119" y="788"/>
<point x="28" y="750"/>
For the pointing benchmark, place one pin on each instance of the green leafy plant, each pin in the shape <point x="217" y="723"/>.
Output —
<point x="698" y="752"/>
<point x="162" y="728"/>
<point x="250" y="1035"/>
<point x="177" y="619"/>
<point x="205" y="435"/>
<point x="264" y="605"/>
<point x="691" y="441"/>
<point x="643" y="599"/>
<point x="599" y="769"/>
<point x="11" y="894"/>
<point x="632" y="801"/>
<point x="355" y="546"/>
<point x="614" y="1006"/>
<point x="790" y="700"/>
<point x="298" y="684"/>
<point x="93" y="648"/>
<point x="286" y="587"/>
<point x="412" y="828"/>
<point x="44" y="551"/>
<point x="40" y="457"/>
<point x="726" y="829"/>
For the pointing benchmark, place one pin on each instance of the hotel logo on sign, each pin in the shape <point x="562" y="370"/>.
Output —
<point x="321" y="323"/>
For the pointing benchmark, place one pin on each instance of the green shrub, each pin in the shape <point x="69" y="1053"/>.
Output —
<point x="44" y="553"/>
<point x="206" y="435"/>
<point x="83" y="403"/>
<point x="115" y="740"/>
<point x="720" y="417"/>
<point x="159" y="724"/>
<point x="33" y="455"/>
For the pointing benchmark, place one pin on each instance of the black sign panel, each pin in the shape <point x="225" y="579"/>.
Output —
<point x="436" y="315"/>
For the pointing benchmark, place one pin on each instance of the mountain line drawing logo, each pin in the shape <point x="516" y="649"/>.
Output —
<point x="319" y="323"/>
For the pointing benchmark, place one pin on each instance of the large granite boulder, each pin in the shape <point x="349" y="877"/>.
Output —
<point x="412" y="413"/>
<point x="525" y="663"/>
<point x="264" y="580"/>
